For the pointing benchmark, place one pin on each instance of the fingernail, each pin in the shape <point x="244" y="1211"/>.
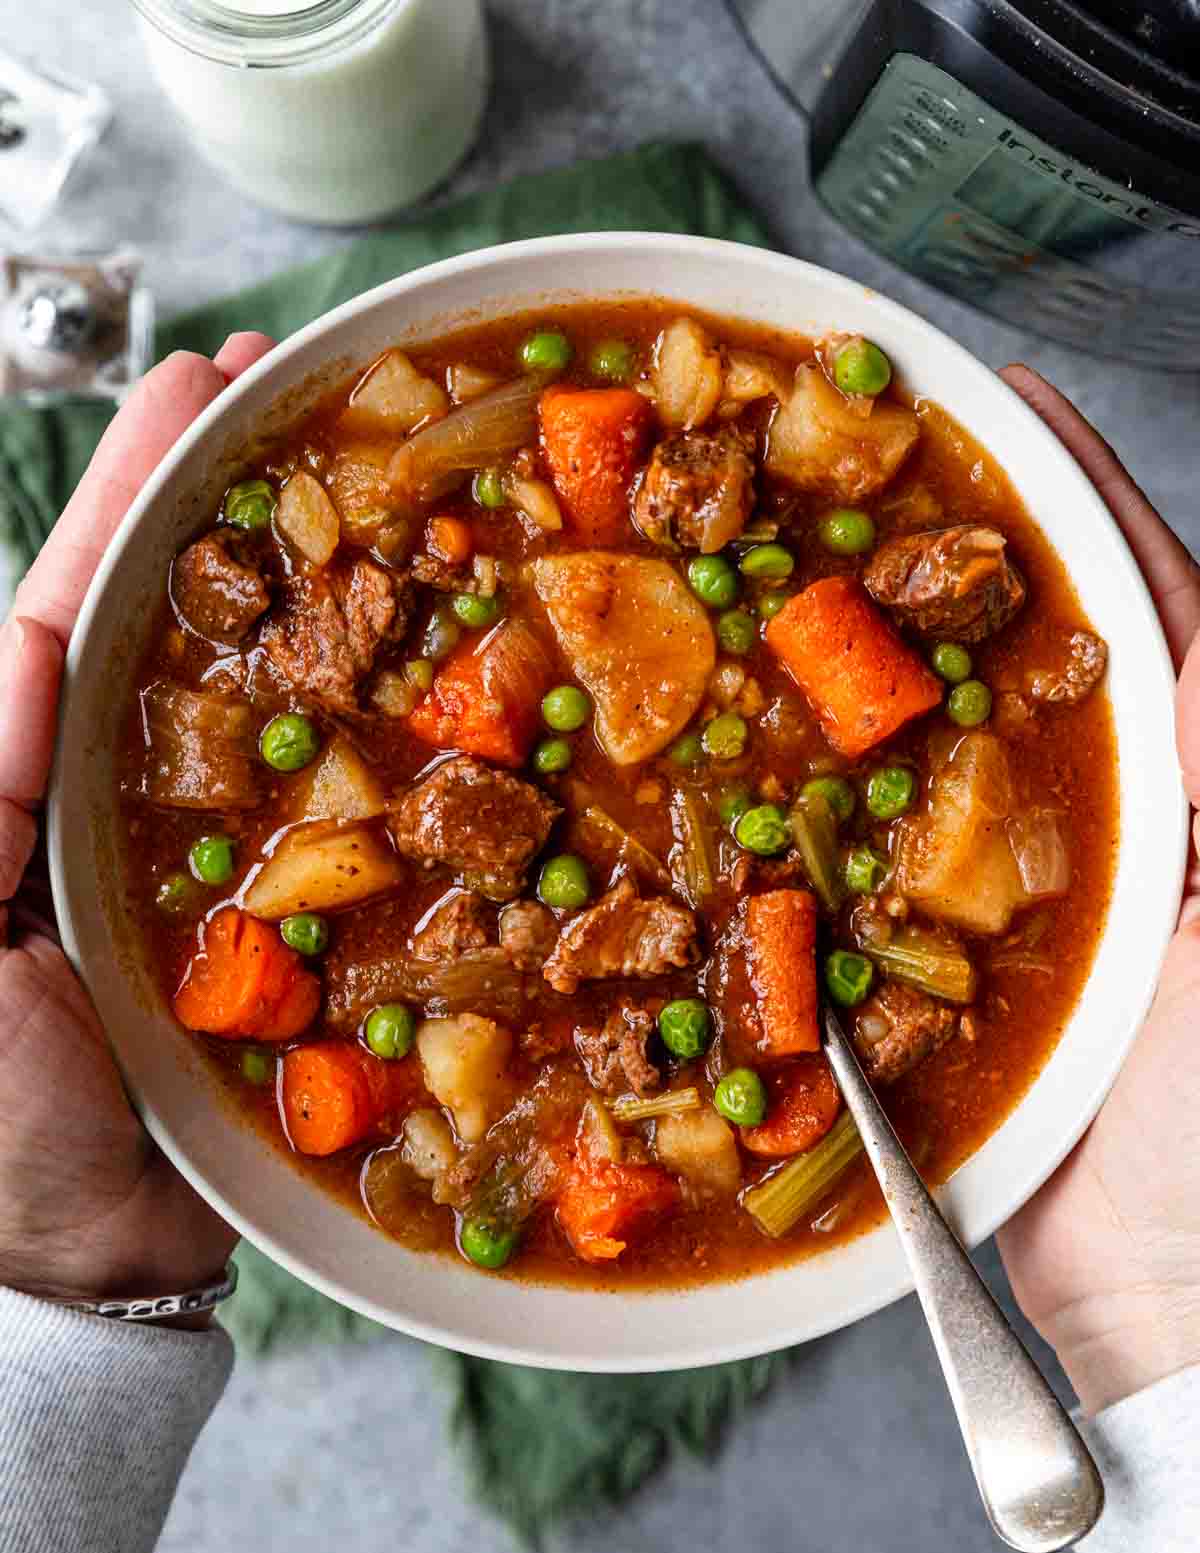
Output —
<point x="12" y="645"/>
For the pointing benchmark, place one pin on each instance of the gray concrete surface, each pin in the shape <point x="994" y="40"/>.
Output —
<point x="856" y="1448"/>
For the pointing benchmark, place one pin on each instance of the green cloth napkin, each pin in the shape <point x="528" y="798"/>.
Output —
<point x="539" y="1444"/>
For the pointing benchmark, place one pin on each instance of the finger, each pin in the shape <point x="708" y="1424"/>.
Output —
<point x="241" y="351"/>
<point x="31" y="661"/>
<point x="1173" y="577"/>
<point x="1187" y="727"/>
<point x="160" y="409"/>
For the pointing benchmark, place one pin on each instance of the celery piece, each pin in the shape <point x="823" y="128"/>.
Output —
<point x="814" y="831"/>
<point x="777" y="1203"/>
<point x="627" y="846"/>
<point x="628" y="1109"/>
<point x="696" y="859"/>
<point x="925" y="961"/>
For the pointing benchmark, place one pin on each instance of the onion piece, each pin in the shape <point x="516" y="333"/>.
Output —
<point x="1040" y="853"/>
<point x="535" y="500"/>
<point x="440" y="456"/>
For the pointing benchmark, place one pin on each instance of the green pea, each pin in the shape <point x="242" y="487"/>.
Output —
<point x="763" y="830"/>
<point x="848" y="977"/>
<point x="741" y="1097"/>
<point x="250" y="506"/>
<point x="687" y="751"/>
<point x="289" y="742"/>
<point x="612" y="360"/>
<point x="474" y="610"/>
<point x="257" y="1067"/>
<point x="952" y="662"/>
<point x="488" y="488"/>
<point x="836" y="792"/>
<point x="970" y="703"/>
<point x="419" y="672"/>
<point x="176" y="894"/>
<point x="724" y="738"/>
<point x="548" y="350"/>
<point x="712" y="580"/>
<point x="306" y="933"/>
<point x="846" y="531"/>
<point x="211" y="859"/>
<point x="771" y="603"/>
<point x="736" y="631"/>
<point x="865" y="871"/>
<point x="768" y="561"/>
<point x="566" y="708"/>
<point x="487" y="1243"/>
<point x="441" y="636"/>
<point x="732" y="803"/>
<point x="686" y="1027"/>
<point x="890" y="792"/>
<point x="564" y="883"/>
<point x="390" y="1030"/>
<point x="552" y="755"/>
<point x="860" y="367"/>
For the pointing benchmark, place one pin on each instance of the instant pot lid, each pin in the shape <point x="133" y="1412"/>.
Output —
<point x="1135" y="67"/>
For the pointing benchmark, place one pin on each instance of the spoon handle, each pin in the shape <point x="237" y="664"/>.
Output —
<point x="1037" y="1480"/>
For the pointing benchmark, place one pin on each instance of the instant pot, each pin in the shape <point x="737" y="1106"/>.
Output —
<point x="1038" y="158"/>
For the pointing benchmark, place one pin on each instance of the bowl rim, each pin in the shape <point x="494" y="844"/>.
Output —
<point x="1020" y="1185"/>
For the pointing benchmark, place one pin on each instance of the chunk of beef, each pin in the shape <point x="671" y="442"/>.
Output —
<point x="953" y="583"/>
<point x="527" y="934"/>
<point x="435" y="572"/>
<point x="898" y="1028"/>
<point x="539" y="1041"/>
<point x="623" y="935"/>
<point x="217" y="589"/>
<point x="484" y="824"/>
<point x="615" y="1057"/>
<point x="458" y="926"/>
<point x="330" y="626"/>
<point x="1087" y="659"/>
<point x="698" y="490"/>
<point x="201" y="750"/>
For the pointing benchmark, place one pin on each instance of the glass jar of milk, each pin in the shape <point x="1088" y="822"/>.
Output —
<point x="333" y="111"/>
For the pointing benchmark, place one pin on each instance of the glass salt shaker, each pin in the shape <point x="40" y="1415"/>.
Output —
<point x="335" y="112"/>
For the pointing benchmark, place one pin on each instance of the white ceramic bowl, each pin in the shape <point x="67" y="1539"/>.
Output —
<point x="433" y="1297"/>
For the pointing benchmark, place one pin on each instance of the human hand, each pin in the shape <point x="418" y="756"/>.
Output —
<point x="1105" y="1259"/>
<point x="88" y="1206"/>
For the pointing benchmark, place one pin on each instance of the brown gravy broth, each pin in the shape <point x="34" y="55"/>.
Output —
<point x="946" y="1107"/>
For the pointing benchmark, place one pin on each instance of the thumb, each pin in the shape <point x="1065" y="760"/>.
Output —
<point x="31" y="662"/>
<point x="1187" y="723"/>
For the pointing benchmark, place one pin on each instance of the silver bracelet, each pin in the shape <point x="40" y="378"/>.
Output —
<point x="154" y="1307"/>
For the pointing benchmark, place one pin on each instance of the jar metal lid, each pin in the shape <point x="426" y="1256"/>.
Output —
<point x="228" y="35"/>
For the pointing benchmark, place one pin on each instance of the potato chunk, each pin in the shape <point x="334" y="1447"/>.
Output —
<point x="339" y="786"/>
<point x="321" y="866"/>
<point x="307" y="518"/>
<point x="464" y="1060"/>
<point x="956" y="861"/>
<point x="819" y="443"/>
<point x="687" y="376"/>
<point x="700" y="1147"/>
<point x="428" y="1148"/>
<point x="637" y="638"/>
<point x="395" y="397"/>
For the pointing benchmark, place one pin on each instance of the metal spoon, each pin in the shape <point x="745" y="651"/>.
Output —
<point x="1037" y="1480"/>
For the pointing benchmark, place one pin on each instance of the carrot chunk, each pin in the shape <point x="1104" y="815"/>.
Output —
<point x="486" y="697"/>
<point x="449" y="539"/>
<point x="603" y="1204"/>
<point x="804" y="1104"/>
<point x="782" y="929"/>
<point x="594" y="439"/>
<point x="862" y="681"/>
<point x="245" y="981"/>
<point x="335" y="1092"/>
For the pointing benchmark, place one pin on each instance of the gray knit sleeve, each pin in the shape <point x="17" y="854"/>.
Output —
<point x="1147" y="1452"/>
<point x="97" y="1418"/>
